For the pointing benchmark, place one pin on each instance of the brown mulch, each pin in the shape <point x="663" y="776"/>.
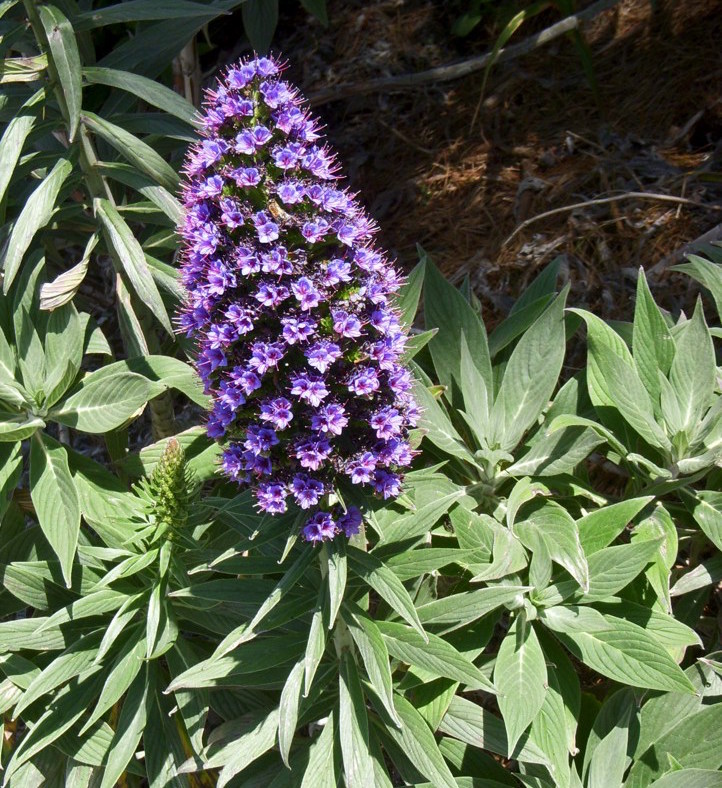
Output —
<point x="457" y="172"/>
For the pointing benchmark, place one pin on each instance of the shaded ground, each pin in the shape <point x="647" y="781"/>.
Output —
<point x="458" y="172"/>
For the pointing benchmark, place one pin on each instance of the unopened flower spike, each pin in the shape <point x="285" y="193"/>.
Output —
<point x="291" y="304"/>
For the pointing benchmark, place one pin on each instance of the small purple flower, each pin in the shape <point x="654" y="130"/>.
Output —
<point x="388" y="422"/>
<point x="277" y="412"/>
<point x="271" y="497"/>
<point x="361" y="468"/>
<point x="265" y="356"/>
<point x="350" y="522"/>
<point x="260" y="439"/>
<point x="364" y="382"/>
<point x="306" y="294"/>
<point x="320" y="528"/>
<point x="297" y="329"/>
<point x="246" y="177"/>
<point x="306" y="491"/>
<point x="267" y="229"/>
<point x="291" y="192"/>
<point x="387" y="485"/>
<point x="321" y="355"/>
<point x="312" y="454"/>
<point x="330" y="418"/>
<point x="309" y="388"/>
<point x="345" y="324"/>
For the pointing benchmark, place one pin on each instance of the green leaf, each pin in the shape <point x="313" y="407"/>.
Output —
<point x="601" y="527"/>
<point x="375" y="656"/>
<point x="613" y="380"/>
<point x="140" y="11"/>
<point x="316" y="644"/>
<point x="149" y="90"/>
<point x="608" y="763"/>
<point x="468" y="606"/>
<point x="475" y="395"/>
<point x="134" y="150"/>
<point x="530" y="376"/>
<point x="260" y="18"/>
<point x="64" y="287"/>
<point x="55" y="498"/>
<point x="76" y="659"/>
<point x="353" y="727"/>
<point x="613" y="568"/>
<point x="706" y="273"/>
<point x="435" y="655"/>
<point x="421" y="521"/>
<point x="17" y="428"/>
<point x="129" y="253"/>
<point x="552" y="527"/>
<point x="12" y="143"/>
<point x="446" y="308"/>
<point x="652" y="343"/>
<point x="247" y="631"/>
<point x="706" y="507"/>
<point x="321" y="769"/>
<point x="690" y="778"/>
<point x="693" y="371"/>
<point x="557" y="452"/>
<point x="441" y="432"/>
<point x="131" y="724"/>
<point x="417" y="742"/>
<point x="34" y="216"/>
<point x="66" y="58"/>
<point x="121" y="675"/>
<point x="409" y="295"/>
<point x="102" y="403"/>
<point x="549" y="730"/>
<point x="167" y="372"/>
<point x="694" y="742"/>
<point x="244" y="749"/>
<point x="478" y="727"/>
<point x="520" y="676"/>
<point x="67" y="707"/>
<point x="615" y="648"/>
<point x="288" y="710"/>
<point x="337" y="573"/>
<point x="63" y="352"/>
<point x="386" y="584"/>
<point x="160" y="197"/>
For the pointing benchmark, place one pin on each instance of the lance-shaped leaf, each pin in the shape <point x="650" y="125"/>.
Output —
<point x="693" y="373"/>
<point x="386" y="585"/>
<point x="652" y="343"/>
<point x="553" y="527"/>
<point x="66" y="59"/>
<point x="64" y="287"/>
<point x="616" y="648"/>
<point x="150" y="91"/>
<point x="353" y="726"/>
<point x="102" y="403"/>
<point x="55" y="498"/>
<point x="613" y="380"/>
<point x="129" y="253"/>
<point x="530" y="376"/>
<point x="520" y="676"/>
<point x="134" y="150"/>
<point x="34" y="216"/>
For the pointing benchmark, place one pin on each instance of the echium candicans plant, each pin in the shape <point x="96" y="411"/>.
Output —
<point x="291" y="304"/>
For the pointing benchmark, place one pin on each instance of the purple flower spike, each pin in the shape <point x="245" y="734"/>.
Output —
<point x="292" y="308"/>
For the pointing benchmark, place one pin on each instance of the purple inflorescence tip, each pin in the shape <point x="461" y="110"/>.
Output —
<point x="291" y="305"/>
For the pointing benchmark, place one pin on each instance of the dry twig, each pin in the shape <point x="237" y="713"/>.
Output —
<point x="465" y="67"/>
<point x="607" y="200"/>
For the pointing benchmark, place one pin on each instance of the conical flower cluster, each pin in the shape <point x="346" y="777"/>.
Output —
<point x="291" y="305"/>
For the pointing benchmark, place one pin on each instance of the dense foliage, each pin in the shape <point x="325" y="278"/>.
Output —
<point x="537" y="608"/>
